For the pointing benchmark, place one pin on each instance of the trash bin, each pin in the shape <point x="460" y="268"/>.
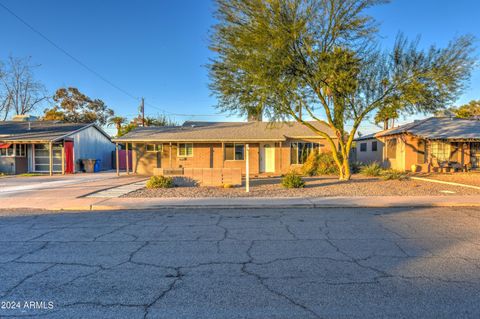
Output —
<point x="89" y="165"/>
<point x="97" y="166"/>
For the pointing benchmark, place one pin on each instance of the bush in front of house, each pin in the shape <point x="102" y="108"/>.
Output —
<point x="160" y="182"/>
<point x="373" y="170"/>
<point x="293" y="180"/>
<point x="392" y="174"/>
<point x="310" y="167"/>
<point x="326" y="164"/>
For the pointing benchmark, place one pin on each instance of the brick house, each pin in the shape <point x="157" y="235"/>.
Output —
<point x="432" y="144"/>
<point x="273" y="148"/>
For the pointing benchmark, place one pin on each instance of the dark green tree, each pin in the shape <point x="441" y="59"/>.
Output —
<point x="469" y="110"/>
<point x="321" y="57"/>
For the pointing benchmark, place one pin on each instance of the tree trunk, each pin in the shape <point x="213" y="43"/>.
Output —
<point x="345" y="173"/>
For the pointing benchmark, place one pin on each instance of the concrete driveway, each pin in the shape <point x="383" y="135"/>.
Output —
<point x="257" y="263"/>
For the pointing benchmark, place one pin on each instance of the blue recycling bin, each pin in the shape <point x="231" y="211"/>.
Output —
<point x="97" y="166"/>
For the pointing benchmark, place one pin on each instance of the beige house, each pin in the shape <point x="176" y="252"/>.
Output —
<point x="432" y="144"/>
<point x="271" y="149"/>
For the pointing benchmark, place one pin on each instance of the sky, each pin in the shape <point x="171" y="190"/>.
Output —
<point x="158" y="49"/>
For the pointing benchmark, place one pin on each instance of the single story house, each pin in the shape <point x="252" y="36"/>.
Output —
<point x="368" y="149"/>
<point x="51" y="146"/>
<point x="273" y="148"/>
<point x="432" y="144"/>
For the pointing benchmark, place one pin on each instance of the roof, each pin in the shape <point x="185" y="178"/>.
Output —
<point x="40" y="131"/>
<point x="439" y="128"/>
<point x="224" y="131"/>
<point x="366" y="137"/>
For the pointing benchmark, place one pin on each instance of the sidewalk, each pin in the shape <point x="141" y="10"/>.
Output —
<point x="91" y="203"/>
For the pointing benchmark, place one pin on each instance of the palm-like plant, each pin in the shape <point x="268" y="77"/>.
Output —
<point x="117" y="121"/>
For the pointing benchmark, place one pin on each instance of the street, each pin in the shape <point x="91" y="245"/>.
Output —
<point x="241" y="263"/>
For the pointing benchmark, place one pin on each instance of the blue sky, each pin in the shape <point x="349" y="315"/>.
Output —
<point x="158" y="48"/>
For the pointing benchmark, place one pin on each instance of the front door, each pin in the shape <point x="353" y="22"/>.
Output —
<point x="267" y="158"/>
<point x="475" y="155"/>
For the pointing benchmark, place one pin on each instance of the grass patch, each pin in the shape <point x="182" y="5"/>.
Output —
<point x="30" y="174"/>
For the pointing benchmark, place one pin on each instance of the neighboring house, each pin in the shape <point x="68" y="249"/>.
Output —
<point x="273" y="148"/>
<point x="432" y="144"/>
<point x="51" y="147"/>
<point x="368" y="149"/>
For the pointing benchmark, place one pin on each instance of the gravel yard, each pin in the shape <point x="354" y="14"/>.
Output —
<point x="472" y="178"/>
<point x="315" y="187"/>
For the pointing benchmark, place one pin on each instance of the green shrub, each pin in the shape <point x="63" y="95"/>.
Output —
<point x="392" y="174"/>
<point x="355" y="167"/>
<point x="326" y="164"/>
<point x="293" y="180"/>
<point x="160" y="182"/>
<point x="373" y="169"/>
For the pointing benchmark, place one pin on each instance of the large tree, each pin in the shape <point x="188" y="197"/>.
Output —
<point x="469" y="110"/>
<point x="75" y="107"/>
<point x="321" y="57"/>
<point x="20" y="92"/>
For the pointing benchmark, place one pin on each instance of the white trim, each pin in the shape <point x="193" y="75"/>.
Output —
<point x="178" y="151"/>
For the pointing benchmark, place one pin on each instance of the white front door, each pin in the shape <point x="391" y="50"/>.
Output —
<point x="267" y="158"/>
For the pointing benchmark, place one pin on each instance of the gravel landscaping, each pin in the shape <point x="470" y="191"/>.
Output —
<point x="315" y="187"/>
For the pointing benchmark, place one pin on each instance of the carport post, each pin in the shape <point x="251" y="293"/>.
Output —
<point x="50" y="157"/>
<point x="247" y="168"/>
<point x="117" y="161"/>
<point x="127" y="158"/>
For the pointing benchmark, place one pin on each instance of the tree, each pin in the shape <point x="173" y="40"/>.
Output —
<point x="322" y="57"/>
<point x="117" y="121"/>
<point x="470" y="110"/>
<point x="75" y="107"/>
<point x="20" y="93"/>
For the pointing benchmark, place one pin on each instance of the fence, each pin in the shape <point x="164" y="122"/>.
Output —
<point x="205" y="176"/>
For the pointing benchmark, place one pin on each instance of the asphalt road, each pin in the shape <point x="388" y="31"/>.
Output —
<point x="305" y="263"/>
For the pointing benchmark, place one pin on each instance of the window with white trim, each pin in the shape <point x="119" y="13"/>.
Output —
<point x="185" y="150"/>
<point x="9" y="151"/>
<point x="20" y="150"/>
<point x="234" y="152"/>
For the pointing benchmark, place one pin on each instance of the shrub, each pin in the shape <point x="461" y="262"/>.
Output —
<point x="293" y="180"/>
<point x="373" y="169"/>
<point x="392" y="174"/>
<point x="326" y="164"/>
<point x="310" y="166"/>
<point x="227" y="186"/>
<point x="160" y="182"/>
<point x="355" y="167"/>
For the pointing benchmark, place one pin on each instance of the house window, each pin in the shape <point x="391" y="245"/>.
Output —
<point x="185" y="150"/>
<point x="363" y="147"/>
<point x="392" y="148"/>
<point x="153" y="148"/>
<point x="234" y="152"/>
<point x="374" y="146"/>
<point x="440" y="150"/>
<point x="9" y="151"/>
<point x="41" y="158"/>
<point x="421" y="152"/>
<point x="20" y="150"/>
<point x="299" y="151"/>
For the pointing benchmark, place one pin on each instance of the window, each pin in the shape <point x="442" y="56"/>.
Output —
<point x="421" y="152"/>
<point x="234" y="152"/>
<point x="299" y="151"/>
<point x="9" y="151"/>
<point x="154" y="148"/>
<point x="440" y="151"/>
<point x="363" y="147"/>
<point x="392" y="148"/>
<point x="42" y="158"/>
<point x="185" y="150"/>
<point x="374" y="146"/>
<point x="20" y="150"/>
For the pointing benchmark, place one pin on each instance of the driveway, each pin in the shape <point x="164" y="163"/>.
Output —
<point x="60" y="186"/>
<point x="242" y="263"/>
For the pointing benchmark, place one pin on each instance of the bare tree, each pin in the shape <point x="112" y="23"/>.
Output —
<point x="20" y="92"/>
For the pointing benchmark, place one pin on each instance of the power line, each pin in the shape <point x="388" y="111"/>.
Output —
<point x="86" y="67"/>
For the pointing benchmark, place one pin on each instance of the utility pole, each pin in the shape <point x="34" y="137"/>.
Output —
<point x="142" y="110"/>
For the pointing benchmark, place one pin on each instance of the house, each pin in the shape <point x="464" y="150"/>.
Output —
<point x="51" y="146"/>
<point x="273" y="148"/>
<point x="432" y="144"/>
<point x="368" y="149"/>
